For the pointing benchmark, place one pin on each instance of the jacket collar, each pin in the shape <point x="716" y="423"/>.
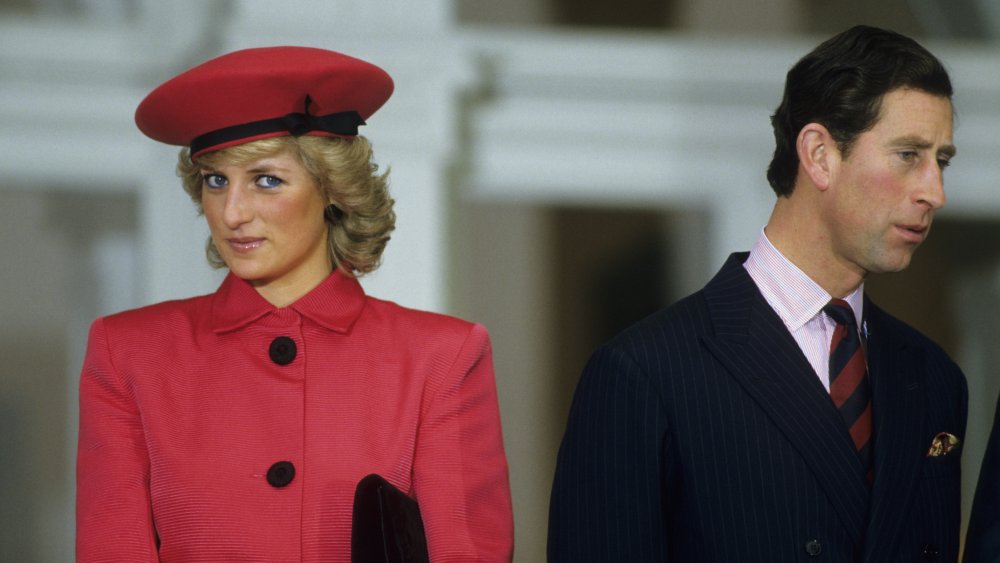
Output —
<point x="334" y="304"/>
<point x="752" y="342"/>
<point x="754" y="345"/>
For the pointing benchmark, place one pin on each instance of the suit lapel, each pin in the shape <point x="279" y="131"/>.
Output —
<point x="898" y="408"/>
<point x="754" y="345"/>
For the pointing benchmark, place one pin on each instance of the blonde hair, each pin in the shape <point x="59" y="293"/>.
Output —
<point x="360" y="216"/>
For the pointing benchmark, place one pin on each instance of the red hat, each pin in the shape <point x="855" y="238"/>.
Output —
<point x="264" y="92"/>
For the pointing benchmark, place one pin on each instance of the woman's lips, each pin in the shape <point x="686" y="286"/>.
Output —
<point x="245" y="244"/>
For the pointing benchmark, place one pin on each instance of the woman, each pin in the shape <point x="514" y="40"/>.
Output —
<point x="236" y="426"/>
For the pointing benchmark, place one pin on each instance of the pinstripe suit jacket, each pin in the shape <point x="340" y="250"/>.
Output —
<point x="701" y="434"/>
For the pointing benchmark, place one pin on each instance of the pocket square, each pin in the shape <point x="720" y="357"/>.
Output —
<point x="943" y="444"/>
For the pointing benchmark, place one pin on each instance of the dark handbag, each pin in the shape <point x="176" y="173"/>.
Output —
<point x="386" y="526"/>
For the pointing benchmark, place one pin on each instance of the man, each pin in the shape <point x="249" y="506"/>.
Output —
<point x="723" y="428"/>
<point x="982" y="544"/>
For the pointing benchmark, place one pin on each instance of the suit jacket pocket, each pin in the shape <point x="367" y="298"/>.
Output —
<point x="942" y="466"/>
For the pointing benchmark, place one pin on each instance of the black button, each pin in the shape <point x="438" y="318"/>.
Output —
<point x="930" y="552"/>
<point x="282" y="350"/>
<point x="281" y="474"/>
<point x="814" y="548"/>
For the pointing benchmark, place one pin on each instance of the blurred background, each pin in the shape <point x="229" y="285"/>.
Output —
<point x="561" y="169"/>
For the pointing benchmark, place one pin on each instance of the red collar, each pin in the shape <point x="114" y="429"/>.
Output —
<point x="334" y="304"/>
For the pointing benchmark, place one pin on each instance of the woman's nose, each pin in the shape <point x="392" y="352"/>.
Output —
<point x="237" y="209"/>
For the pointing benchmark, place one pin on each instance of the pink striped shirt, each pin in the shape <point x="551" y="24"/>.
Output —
<point x="799" y="301"/>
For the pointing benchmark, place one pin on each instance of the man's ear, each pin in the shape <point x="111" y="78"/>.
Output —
<point x="818" y="154"/>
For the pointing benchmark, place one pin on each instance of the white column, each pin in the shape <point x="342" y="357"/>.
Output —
<point x="504" y="268"/>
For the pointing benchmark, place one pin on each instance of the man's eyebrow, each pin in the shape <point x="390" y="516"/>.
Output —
<point x="916" y="142"/>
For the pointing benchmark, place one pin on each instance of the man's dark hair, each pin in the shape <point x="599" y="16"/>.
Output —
<point x="840" y="85"/>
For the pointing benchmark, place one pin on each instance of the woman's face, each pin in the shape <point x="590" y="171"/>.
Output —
<point x="266" y="219"/>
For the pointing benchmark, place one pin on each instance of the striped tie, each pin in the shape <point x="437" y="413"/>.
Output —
<point x="849" y="387"/>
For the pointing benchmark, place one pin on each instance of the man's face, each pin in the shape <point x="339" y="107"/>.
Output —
<point x="884" y="194"/>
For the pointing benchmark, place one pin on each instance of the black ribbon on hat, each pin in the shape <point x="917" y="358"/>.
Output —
<point x="296" y="124"/>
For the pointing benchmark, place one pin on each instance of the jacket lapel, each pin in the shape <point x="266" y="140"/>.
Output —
<point x="898" y="409"/>
<point x="756" y="348"/>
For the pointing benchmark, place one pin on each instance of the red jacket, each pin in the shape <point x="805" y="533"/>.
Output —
<point x="186" y="405"/>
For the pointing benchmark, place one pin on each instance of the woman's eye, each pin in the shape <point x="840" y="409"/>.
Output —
<point x="214" y="180"/>
<point x="269" y="181"/>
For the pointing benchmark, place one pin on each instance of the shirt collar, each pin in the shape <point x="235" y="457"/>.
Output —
<point x="790" y="292"/>
<point x="334" y="304"/>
